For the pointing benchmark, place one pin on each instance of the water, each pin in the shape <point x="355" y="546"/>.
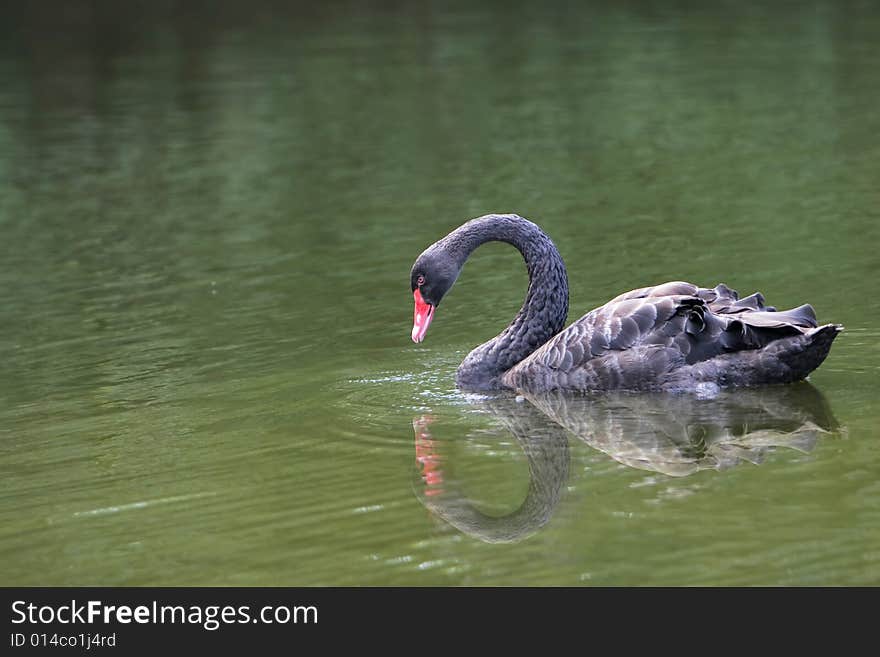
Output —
<point x="207" y="217"/>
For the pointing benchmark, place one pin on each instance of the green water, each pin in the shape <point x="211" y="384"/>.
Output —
<point x="208" y="213"/>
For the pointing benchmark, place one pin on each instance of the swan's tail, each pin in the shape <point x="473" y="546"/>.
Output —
<point x="805" y="353"/>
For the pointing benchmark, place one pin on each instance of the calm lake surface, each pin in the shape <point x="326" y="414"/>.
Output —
<point x="208" y="214"/>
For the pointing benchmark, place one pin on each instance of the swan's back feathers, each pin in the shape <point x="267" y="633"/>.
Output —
<point x="675" y="335"/>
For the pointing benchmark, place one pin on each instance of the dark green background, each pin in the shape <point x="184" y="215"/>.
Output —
<point x="208" y="212"/>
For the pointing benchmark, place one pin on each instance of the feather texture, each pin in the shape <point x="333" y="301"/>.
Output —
<point x="675" y="336"/>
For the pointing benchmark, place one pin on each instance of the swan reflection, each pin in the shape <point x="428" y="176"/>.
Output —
<point x="675" y="435"/>
<point x="545" y="445"/>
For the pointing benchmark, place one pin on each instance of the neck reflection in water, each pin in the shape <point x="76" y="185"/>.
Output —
<point x="675" y="435"/>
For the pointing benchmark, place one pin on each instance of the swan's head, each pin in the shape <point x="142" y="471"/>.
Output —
<point x="433" y="273"/>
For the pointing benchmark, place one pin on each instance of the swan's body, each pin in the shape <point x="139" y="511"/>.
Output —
<point x="674" y="336"/>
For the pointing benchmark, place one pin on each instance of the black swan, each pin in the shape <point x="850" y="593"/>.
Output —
<point x="676" y="336"/>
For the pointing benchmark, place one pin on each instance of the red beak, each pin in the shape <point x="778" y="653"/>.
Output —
<point x="422" y="317"/>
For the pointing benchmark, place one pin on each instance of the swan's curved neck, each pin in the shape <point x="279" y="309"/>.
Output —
<point x="544" y="310"/>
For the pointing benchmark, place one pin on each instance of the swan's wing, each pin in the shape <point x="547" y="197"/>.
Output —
<point x="636" y="337"/>
<point x="664" y="290"/>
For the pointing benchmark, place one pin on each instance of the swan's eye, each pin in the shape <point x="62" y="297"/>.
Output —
<point x="420" y="280"/>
